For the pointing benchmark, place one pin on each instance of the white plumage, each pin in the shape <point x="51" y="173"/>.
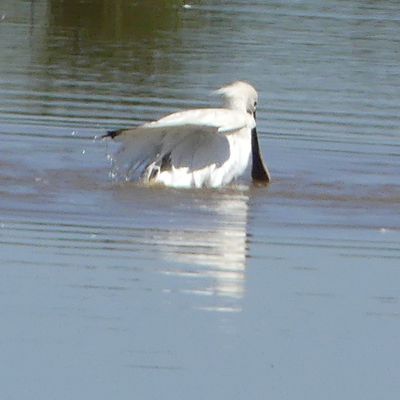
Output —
<point x="196" y="148"/>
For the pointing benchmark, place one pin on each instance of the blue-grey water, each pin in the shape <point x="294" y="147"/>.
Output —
<point x="114" y="291"/>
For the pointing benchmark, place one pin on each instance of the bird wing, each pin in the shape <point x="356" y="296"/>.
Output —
<point x="223" y="120"/>
<point x="212" y="119"/>
<point x="192" y="139"/>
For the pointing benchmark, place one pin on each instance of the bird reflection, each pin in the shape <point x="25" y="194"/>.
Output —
<point x="196" y="237"/>
<point x="216" y="255"/>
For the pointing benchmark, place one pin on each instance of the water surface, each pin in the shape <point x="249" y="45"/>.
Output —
<point x="117" y="291"/>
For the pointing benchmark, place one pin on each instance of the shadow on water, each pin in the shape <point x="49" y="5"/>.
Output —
<point x="96" y="32"/>
<point x="93" y="56"/>
<point x="95" y="48"/>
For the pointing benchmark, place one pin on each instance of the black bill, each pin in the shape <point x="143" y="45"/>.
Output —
<point x="259" y="171"/>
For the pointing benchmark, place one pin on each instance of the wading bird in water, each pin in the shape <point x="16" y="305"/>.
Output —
<point x="208" y="147"/>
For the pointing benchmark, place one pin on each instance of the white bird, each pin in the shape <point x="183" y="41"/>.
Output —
<point x="208" y="147"/>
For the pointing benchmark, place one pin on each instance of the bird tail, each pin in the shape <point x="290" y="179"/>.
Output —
<point x="112" y="134"/>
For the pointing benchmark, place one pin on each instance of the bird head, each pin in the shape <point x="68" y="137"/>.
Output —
<point x="239" y="95"/>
